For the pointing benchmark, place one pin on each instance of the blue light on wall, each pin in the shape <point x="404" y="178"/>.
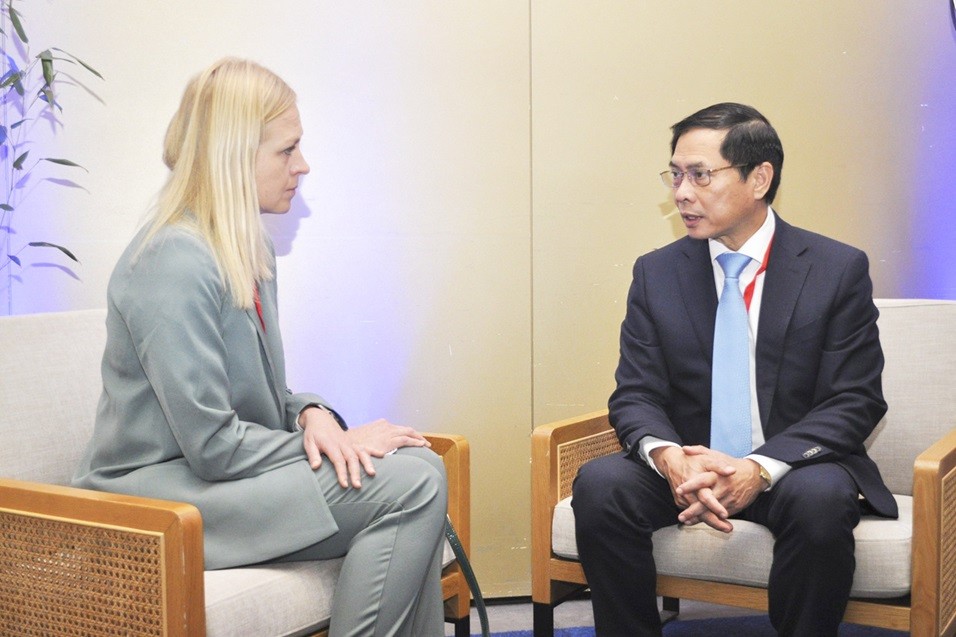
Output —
<point x="933" y="179"/>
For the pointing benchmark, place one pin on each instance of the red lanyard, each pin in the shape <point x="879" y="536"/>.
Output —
<point x="255" y="297"/>
<point x="749" y="291"/>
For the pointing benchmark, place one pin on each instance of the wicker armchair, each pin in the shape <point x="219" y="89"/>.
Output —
<point x="79" y="562"/>
<point x="914" y="446"/>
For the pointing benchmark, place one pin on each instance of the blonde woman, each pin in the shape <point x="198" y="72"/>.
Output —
<point x="194" y="405"/>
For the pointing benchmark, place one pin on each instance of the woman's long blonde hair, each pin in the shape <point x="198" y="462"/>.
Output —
<point x="210" y="149"/>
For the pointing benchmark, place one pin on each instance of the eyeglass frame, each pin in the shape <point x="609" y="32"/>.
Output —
<point x="677" y="176"/>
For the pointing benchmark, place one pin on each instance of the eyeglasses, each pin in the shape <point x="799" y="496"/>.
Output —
<point x="698" y="176"/>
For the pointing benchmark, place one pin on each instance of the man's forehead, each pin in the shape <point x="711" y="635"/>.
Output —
<point x="698" y="147"/>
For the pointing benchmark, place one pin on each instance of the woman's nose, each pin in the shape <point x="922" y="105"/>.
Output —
<point x="300" y="167"/>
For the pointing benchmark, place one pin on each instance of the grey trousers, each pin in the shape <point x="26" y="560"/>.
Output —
<point x="390" y="532"/>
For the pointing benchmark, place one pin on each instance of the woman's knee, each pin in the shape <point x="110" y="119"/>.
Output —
<point x="418" y="477"/>
<point x="429" y="456"/>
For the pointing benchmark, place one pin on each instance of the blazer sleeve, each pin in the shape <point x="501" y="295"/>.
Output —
<point x="173" y="308"/>
<point x="295" y="403"/>
<point x="638" y="405"/>
<point x="831" y="373"/>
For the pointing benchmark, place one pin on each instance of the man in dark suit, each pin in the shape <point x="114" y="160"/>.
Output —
<point x="814" y="386"/>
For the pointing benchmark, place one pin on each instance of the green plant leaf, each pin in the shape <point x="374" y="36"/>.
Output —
<point x="80" y="62"/>
<point x="7" y="207"/>
<point x="18" y="162"/>
<point x="47" y="244"/>
<point x="3" y="134"/>
<point x="46" y="62"/>
<point x="17" y="124"/>
<point x="14" y="258"/>
<point x="17" y="25"/>
<point x="11" y="77"/>
<point x="62" y="162"/>
<point x="46" y="94"/>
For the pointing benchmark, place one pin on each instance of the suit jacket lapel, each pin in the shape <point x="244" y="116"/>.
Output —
<point x="784" y="279"/>
<point x="269" y="339"/>
<point x="695" y="275"/>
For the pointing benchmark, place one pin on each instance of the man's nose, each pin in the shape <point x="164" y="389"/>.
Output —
<point x="685" y="190"/>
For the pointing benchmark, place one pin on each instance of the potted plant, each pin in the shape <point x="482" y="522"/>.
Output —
<point x="28" y="95"/>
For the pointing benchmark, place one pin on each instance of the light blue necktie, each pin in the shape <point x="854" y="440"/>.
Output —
<point x="730" y="385"/>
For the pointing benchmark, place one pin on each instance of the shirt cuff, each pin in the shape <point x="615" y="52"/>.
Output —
<point x="776" y="468"/>
<point x="647" y="444"/>
<point x="335" y="415"/>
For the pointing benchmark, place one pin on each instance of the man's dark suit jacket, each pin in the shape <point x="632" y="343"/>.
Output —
<point x="818" y="354"/>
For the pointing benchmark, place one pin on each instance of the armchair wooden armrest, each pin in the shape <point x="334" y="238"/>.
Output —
<point x="84" y="562"/>
<point x="455" y="451"/>
<point x="75" y="561"/>
<point x="557" y="451"/>
<point x="933" y="609"/>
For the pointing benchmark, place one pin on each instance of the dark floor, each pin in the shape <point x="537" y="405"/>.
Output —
<point x="509" y="615"/>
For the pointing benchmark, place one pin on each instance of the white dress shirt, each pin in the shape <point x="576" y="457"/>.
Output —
<point x="756" y="248"/>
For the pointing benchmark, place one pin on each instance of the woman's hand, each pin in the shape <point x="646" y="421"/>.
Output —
<point x="352" y="451"/>
<point x="324" y="437"/>
<point x="380" y="437"/>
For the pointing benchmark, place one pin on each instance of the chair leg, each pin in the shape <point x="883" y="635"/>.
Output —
<point x="463" y="626"/>
<point x="543" y="620"/>
<point x="670" y="610"/>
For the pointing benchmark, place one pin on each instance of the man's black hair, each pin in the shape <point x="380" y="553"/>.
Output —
<point x="750" y="140"/>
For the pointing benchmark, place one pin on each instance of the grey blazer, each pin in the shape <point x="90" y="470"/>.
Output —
<point x="195" y="407"/>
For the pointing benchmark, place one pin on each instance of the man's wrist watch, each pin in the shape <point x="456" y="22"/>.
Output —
<point x="764" y="474"/>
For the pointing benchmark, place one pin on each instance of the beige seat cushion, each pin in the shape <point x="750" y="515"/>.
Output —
<point x="743" y="556"/>
<point x="289" y="598"/>
<point x="292" y="598"/>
